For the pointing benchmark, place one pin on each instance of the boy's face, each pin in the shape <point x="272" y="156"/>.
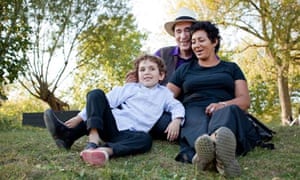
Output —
<point x="148" y="73"/>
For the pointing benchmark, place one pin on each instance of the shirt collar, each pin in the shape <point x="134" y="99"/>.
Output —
<point x="144" y="87"/>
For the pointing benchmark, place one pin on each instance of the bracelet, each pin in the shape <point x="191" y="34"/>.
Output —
<point x="223" y="103"/>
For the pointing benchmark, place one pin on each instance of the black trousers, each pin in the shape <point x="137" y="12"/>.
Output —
<point x="158" y="130"/>
<point x="99" y="116"/>
<point x="197" y="123"/>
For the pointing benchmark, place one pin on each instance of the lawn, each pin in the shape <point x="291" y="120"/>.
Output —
<point x="30" y="153"/>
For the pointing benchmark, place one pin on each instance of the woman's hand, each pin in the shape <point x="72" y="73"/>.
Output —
<point x="213" y="107"/>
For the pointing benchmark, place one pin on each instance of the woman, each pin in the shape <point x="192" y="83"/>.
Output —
<point x="215" y="96"/>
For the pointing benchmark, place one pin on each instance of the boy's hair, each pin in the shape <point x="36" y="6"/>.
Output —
<point x="157" y="60"/>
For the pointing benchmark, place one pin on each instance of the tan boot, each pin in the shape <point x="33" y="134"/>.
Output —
<point x="205" y="152"/>
<point x="227" y="164"/>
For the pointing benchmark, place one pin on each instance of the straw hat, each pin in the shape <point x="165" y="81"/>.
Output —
<point x="183" y="15"/>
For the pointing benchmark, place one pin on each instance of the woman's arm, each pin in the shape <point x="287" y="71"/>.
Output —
<point x="175" y="89"/>
<point x="242" y="96"/>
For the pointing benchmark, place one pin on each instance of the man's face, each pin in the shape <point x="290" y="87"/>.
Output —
<point x="182" y="35"/>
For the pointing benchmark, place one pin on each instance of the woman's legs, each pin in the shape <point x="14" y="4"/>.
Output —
<point x="225" y="145"/>
<point x="196" y="123"/>
<point x="236" y="120"/>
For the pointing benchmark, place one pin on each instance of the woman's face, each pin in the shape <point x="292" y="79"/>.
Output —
<point x="202" y="46"/>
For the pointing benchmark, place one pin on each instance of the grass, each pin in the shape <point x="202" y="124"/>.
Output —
<point x="30" y="153"/>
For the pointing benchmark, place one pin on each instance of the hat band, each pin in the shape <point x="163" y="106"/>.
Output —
<point x="184" y="17"/>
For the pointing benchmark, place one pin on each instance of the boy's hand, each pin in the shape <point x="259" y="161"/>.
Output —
<point x="173" y="129"/>
<point x="73" y="122"/>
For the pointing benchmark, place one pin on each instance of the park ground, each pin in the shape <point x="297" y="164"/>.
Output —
<point x="30" y="153"/>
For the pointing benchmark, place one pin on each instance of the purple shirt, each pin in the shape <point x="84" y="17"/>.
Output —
<point x="175" y="52"/>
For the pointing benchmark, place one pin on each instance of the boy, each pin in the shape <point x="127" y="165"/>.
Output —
<point x="123" y="117"/>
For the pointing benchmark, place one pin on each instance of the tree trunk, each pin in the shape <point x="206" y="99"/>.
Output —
<point x="284" y="97"/>
<point x="55" y="103"/>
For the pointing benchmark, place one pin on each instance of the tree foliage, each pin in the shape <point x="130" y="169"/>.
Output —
<point x="56" y="26"/>
<point x="260" y="76"/>
<point x="14" y="41"/>
<point x="271" y="25"/>
<point x="107" y="50"/>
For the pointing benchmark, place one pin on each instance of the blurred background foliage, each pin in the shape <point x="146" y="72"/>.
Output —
<point x="110" y="41"/>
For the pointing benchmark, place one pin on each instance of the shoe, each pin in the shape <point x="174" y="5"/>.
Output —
<point x="226" y="162"/>
<point x="205" y="152"/>
<point x="91" y="145"/>
<point x="95" y="157"/>
<point x="58" y="130"/>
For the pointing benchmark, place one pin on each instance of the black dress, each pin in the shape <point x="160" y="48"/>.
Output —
<point x="204" y="85"/>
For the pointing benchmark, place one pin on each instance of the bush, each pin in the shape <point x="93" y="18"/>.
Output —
<point x="11" y="111"/>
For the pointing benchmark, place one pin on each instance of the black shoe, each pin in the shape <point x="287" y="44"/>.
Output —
<point x="91" y="145"/>
<point x="58" y="130"/>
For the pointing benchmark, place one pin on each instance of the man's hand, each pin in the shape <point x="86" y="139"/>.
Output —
<point x="131" y="77"/>
<point x="173" y="129"/>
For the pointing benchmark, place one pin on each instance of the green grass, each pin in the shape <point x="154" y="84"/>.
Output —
<point x="30" y="153"/>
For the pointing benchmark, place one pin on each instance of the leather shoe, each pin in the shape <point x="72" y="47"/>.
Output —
<point x="59" y="132"/>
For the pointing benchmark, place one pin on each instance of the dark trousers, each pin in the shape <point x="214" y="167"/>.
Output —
<point x="197" y="123"/>
<point x="99" y="116"/>
<point x="158" y="130"/>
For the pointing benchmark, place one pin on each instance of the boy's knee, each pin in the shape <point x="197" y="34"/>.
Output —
<point x="95" y="93"/>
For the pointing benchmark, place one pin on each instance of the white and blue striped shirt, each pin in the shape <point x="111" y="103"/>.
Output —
<point x="141" y="107"/>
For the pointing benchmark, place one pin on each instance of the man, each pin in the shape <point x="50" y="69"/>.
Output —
<point x="174" y="56"/>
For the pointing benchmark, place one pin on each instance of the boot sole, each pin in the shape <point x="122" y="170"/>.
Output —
<point x="205" y="152"/>
<point x="225" y="153"/>
<point x="94" y="157"/>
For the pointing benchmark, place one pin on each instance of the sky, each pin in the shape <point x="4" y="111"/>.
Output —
<point x="151" y="16"/>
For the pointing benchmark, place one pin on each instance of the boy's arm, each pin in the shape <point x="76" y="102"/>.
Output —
<point x="120" y="94"/>
<point x="178" y="112"/>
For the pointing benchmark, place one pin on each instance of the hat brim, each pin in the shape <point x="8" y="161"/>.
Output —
<point x="170" y="25"/>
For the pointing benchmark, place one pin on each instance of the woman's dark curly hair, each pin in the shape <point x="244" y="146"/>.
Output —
<point x="211" y="30"/>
